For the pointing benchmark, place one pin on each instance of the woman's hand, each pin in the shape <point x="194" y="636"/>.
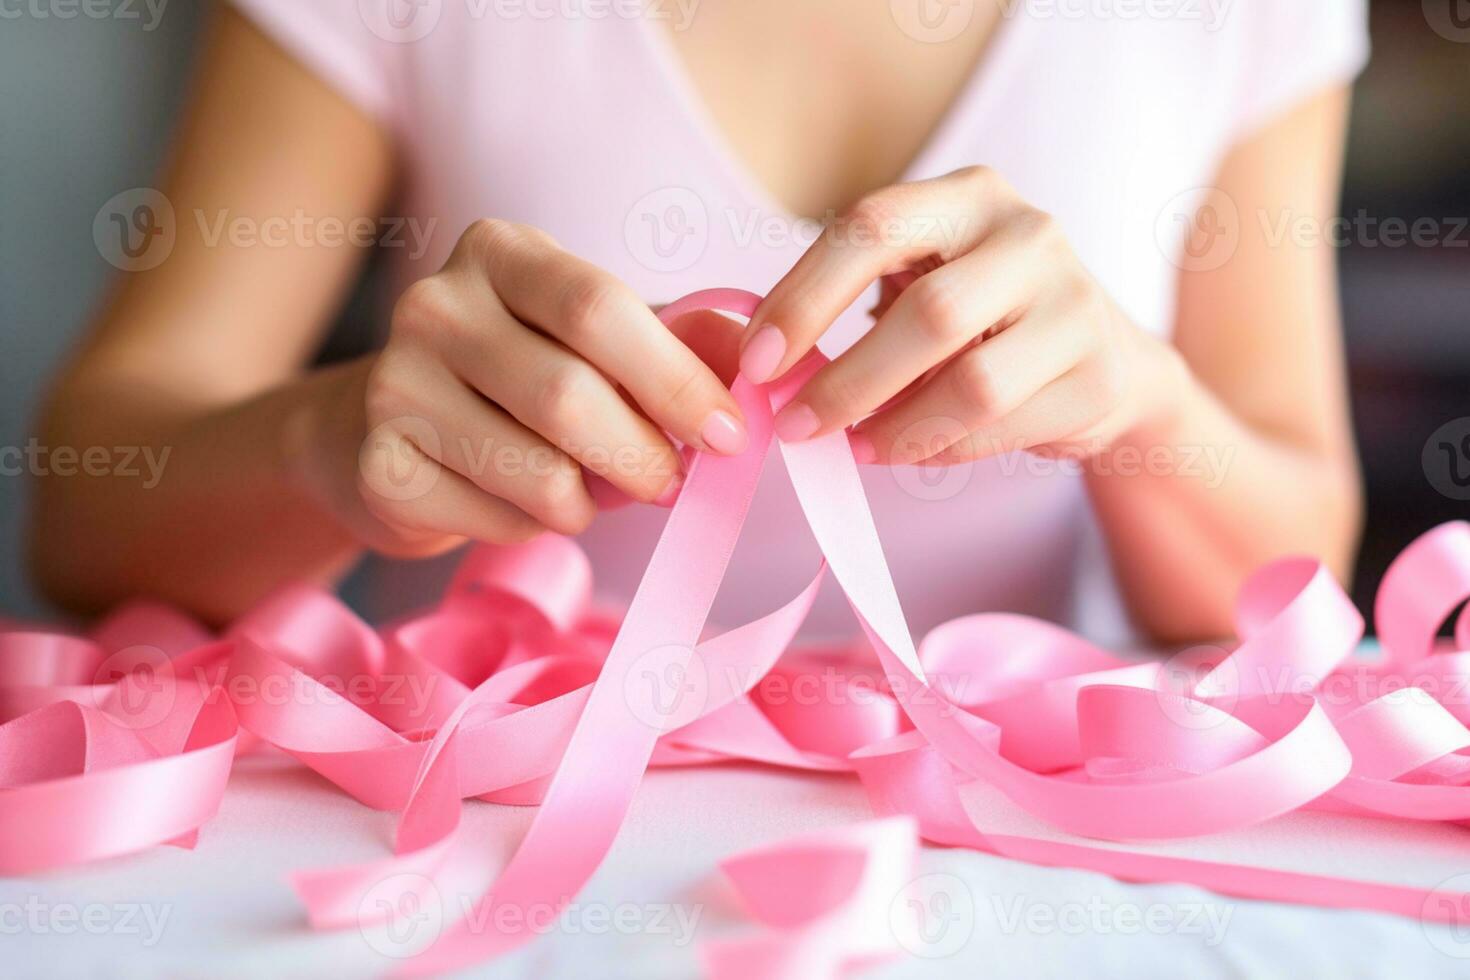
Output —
<point x="991" y="336"/>
<point x="505" y="375"/>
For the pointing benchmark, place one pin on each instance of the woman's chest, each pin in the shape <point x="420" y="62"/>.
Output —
<point x="676" y="170"/>
<point x="825" y="100"/>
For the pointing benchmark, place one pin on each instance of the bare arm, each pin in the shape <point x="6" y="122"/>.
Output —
<point x="1262" y="339"/>
<point x="507" y="375"/>
<point x="200" y="356"/>
<point x="998" y="339"/>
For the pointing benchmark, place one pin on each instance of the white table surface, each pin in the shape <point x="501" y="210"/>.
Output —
<point x="226" y="910"/>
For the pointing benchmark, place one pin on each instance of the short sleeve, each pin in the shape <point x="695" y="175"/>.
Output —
<point x="336" y="41"/>
<point x="1295" y="49"/>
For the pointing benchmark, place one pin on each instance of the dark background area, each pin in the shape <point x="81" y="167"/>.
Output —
<point x="1407" y="308"/>
<point x="90" y="103"/>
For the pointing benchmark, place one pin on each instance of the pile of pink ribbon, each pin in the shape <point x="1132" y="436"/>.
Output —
<point x="516" y="690"/>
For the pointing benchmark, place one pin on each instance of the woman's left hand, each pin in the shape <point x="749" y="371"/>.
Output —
<point x="991" y="335"/>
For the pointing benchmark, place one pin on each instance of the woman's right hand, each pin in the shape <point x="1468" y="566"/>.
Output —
<point x="505" y="375"/>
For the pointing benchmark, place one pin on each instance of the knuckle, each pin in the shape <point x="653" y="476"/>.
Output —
<point x="387" y="393"/>
<point x="939" y="313"/>
<point x="1083" y="292"/>
<point x="562" y="397"/>
<point x="588" y="302"/>
<point x="986" y="180"/>
<point x="564" y="499"/>
<point x="978" y="387"/>
<point x="976" y="173"/>
<point x="374" y="471"/>
<point x="873" y="212"/>
<point x="487" y="236"/>
<point x="1113" y="381"/>
<point x="1038" y="228"/>
<point x="488" y="242"/>
<point x="1087" y="306"/>
<point x="424" y="307"/>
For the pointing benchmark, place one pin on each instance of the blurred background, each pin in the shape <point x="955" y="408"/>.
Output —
<point x="90" y="102"/>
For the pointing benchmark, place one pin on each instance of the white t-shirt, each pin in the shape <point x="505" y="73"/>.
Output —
<point x="1110" y="114"/>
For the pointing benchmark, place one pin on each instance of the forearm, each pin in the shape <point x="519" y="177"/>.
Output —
<point x="1195" y="501"/>
<point x="225" y="511"/>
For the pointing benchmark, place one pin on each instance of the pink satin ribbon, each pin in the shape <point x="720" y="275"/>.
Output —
<point x="515" y="690"/>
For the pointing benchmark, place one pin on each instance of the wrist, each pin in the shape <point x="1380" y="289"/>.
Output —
<point x="1162" y="388"/>
<point x="322" y="432"/>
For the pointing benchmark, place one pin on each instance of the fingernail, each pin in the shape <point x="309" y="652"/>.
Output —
<point x="724" y="434"/>
<point x="762" y="356"/>
<point x="671" y="492"/>
<point x="796" y="422"/>
<point x="863" y="449"/>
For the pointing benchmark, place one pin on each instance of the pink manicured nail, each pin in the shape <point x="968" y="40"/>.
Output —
<point x="863" y="449"/>
<point x="671" y="492"/>
<point x="763" y="355"/>
<point x="724" y="434"/>
<point x="796" y="422"/>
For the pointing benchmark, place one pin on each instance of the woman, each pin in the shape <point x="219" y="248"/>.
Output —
<point x="1068" y="215"/>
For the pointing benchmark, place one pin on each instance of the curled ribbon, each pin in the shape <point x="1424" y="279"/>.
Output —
<point x="515" y="690"/>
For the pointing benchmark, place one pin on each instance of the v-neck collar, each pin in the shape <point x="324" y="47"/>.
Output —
<point x="984" y="84"/>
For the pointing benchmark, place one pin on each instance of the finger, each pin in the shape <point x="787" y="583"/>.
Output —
<point x="596" y="315"/>
<point x="980" y="386"/>
<point x="928" y="221"/>
<point x="406" y="489"/>
<point x="573" y="407"/>
<point x="1054" y="415"/>
<point x="937" y="316"/>
<point x="714" y="338"/>
<point x="505" y="459"/>
<point x="1053" y="420"/>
